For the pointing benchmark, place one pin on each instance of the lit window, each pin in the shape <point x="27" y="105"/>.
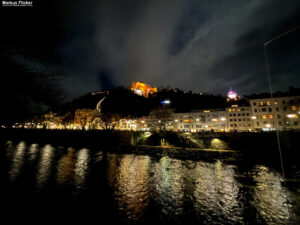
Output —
<point x="275" y="102"/>
<point x="229" y="110"/>
<point x="294" y="108"/>
<point x="268" y="103"/>
<point x="261" y="103"/>
<point x="264" y="117"/>
<point x="271" y="116"/>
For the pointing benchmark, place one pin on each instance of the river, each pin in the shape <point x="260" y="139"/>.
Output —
<point x="67" y="184"/>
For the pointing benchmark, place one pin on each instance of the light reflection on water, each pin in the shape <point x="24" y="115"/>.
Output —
<point x="44" y="166"/>
<point x="65" y="168"/>
<point x="17" y="161"/>
<point x="81" y="168"/>
<point x="163" y="189"/>
<point x="128" y="177"/>
<point x="271" y="197"/>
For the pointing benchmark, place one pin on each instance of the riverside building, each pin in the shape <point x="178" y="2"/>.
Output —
<point x="239" y="118"/>
<point x="201" y="120"/>
<point x="271" y="113"/>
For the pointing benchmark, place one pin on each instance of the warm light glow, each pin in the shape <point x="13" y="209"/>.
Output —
<point x="294" y="108"/>
<point x="223" y="118"/>
<point x="253" y="117"/>
<point x="143" y="89"/>
<point x="292" y="115"/>
<point x="264" y="117"/>
<point x="206" y="111"/>
<point x="268" y="125"/>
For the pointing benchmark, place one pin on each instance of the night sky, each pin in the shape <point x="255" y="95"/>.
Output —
<point x="199" y="45"/>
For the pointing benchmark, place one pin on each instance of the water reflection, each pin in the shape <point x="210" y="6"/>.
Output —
<point x="65" y="167"/>
<point x="33" y="152"/>
<point x="81" y="168"/>
<point x="44" y="166"/>
<point x="164" y="190"/>
<point x="216" y="192"/>
<point x="168" y="179"/>
<point x="270" y="196"/>
<point x="129" y="177"/>
<point x="17" y="160"/>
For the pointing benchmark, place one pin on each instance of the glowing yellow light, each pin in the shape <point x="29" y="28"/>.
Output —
<point x="206" y="111"/>
<point x="294" y="108"/>
<point x="223" y="118"/>
<point x="264" y="117"/>
<point x="292" y="115"/>
<point x="253" y="117"/>
<point x="271" y="116"/>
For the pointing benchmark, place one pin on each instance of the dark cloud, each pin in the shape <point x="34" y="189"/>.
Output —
<point x="206" y="46"/>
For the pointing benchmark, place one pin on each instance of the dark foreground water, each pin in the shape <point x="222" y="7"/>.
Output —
<point x="43" y="184"/>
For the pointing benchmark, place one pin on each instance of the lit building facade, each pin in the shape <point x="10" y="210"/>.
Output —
<point x="239" y="118"/>
<point x="272" y="113"/>
<point x="143" y="89"/>
<point x="201" y="120"/>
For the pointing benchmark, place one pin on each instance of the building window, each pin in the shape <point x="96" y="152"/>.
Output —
<point x="264" y="117"/>
<point x="243" y="109"/>
<point x="277" y="109"/>
<point x="294" y="108"/>
<point x="243" y="114"/>
<point x="275" y="102"/>
<point x="257" y="123"/>
<point x="255" y="110"/>
<point x="278" y="116"/>
<point x="263" y="110"/>
<point x="247" y="114"/>
<point x="271" y="116"/>
<point x="270" y="110"/>
<point x="283" y="102"/>
<point x="254" y="103"/>
<point x="239" y="119"/>
<point x="268" y="103"/>
<point x="239" y="114"/>
<point x="234" y="114"/>
<point x="261" y="103"/>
